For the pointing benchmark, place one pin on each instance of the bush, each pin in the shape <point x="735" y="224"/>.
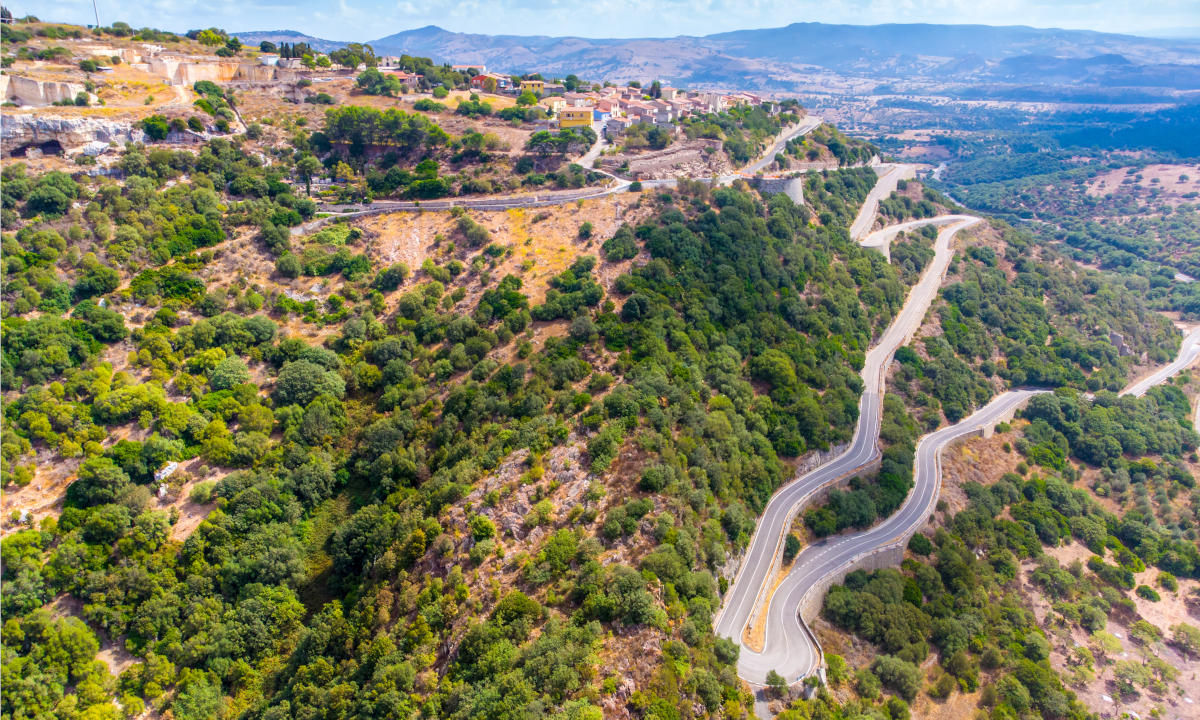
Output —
<point x="899" y="675"/>
<point x="202" y="493"/>
<point x="391" y="277"/>
<point x="156" y="127"/>
<point x="791" y="547"/>
<point x="920" y="544"/>
<point x="1147" y="592"/>
<point x="427" y="105"/>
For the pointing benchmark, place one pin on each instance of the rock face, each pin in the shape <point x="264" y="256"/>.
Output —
<point x="36" y="93"/>
<point x="74" y="134"/>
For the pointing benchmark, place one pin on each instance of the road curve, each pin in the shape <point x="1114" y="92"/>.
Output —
<point x="882" y="239"/>
<point x="788" y="648"/>
<point x="1189" y="350"/>
<point x="884" y="186"/>
<point x="806" y="125"/>
<point x="748" y="588"/>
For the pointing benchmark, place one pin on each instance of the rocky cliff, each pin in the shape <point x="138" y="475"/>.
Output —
<point x="74" y="134"/>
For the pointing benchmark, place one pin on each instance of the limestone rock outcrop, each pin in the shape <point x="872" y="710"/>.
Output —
<point x="36" y="93"/>
<point x="74" y="134"/>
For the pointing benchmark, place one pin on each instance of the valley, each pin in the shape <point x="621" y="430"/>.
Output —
<point x="821" y="371"/>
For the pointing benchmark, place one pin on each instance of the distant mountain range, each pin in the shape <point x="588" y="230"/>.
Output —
<point x="779" y="58"/>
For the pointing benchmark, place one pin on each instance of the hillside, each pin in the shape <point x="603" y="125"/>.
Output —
<point x="329" y="398"/>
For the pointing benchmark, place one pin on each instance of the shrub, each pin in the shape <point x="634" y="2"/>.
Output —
<point x="156" y="127"/>
<point x="920" y="544"/>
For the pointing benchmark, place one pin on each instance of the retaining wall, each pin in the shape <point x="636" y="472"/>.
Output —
<point x="792" y="187"/>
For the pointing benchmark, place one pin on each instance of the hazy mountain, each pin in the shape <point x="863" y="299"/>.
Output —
<point x="779" y="58"/>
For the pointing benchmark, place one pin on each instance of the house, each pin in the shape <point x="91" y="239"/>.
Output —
<point x="668" y="93"/>
<point x="554" y="89"/>
<point x="571" y="117"/>
<point x="165" y="471"/>
<point x="713" y="102"/>
<point x="479" y="69"/>
<point x="601" y="117"/>
<point x="480" y="81"/>
<point x="608" y="106"/>
<point x="578" y="99"/>
<point x="537" y="87"/>
<point x="616" y="126"/>
<point x="553" y="105"/>
<point x="409" y="80"/>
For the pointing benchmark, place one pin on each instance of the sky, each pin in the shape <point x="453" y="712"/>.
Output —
<point x="371" y="19"/>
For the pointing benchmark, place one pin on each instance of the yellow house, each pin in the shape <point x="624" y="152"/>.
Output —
<point x="570" y="117"/>
<point x="537" y="87"/>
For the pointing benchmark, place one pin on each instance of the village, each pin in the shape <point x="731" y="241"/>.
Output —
<point x="607" y="108"/>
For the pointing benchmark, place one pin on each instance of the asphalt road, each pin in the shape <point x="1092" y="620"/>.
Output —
<point x="550" y="197"/>
<point x="890" y="177"/>
<point x="882" y="239"/>
<point x="788" y="648"/>
<point x="745" y="594"/>
<point x="1189" y="350"/>
<point x="806" y="125"/>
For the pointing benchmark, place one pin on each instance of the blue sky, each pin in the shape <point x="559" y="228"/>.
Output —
<point x="370" y="19"/>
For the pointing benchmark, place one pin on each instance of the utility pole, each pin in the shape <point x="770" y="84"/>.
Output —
<point x="97" y="11"/>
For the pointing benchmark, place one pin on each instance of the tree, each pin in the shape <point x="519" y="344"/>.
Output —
<point x="391" y="277"/>
<point x="199" y="697"/>
<point x="99" y="481"/>
<point x="791" y="546"/>
<point x="899" y="675"/>
<point x="229" y="372"/>
<point x="527" y="99"/>
<point x="777" y="683"/>
<point x="267" y="46"/>
<point x="1187" y="638"/>
<point x="211" y="37"/>
<point x="300" y="381"/>
<point x="308" y="166"/>
<point x="288" y="265"/>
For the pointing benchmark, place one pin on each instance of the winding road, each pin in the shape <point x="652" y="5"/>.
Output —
<point x="795" y="656"/>
<point x="1189" y="350"/>
<point x="884" y="186"/>
<point x="789" y="646"/>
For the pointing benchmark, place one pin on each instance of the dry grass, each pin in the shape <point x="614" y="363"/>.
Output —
<point x="1167" y="180"/>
